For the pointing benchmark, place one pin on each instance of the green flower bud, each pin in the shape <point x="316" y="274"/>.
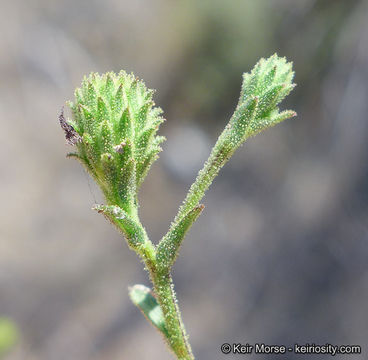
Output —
<point x="263" y="89"/>
<point x="113" y="127"/>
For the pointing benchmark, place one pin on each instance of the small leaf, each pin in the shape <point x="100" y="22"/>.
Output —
<point x="144" y="165"/>
<point x="109" y="88"/>
<point x="105" y="137"/>
<point x="87" y="117"/>
<point x="103" y="112"/>
<point x="168" y="248"/>
<point x="269" y="78"/>
<point x="250" y="83"/>
<point x="108" y="169"/>
<point x="269" y="100"/>
<point x="132" y="95"/>
<point x="143" y="140"/>
<point x="124" y="125"/>
<point x="142" y="114"/>
<point x="126" y="181"/>
<point x="90" y="95"/>
<point x="143" y="298"/>
<point x="132" y="230"/>
<point x="240" y="121"/>
<point x="263" y="124"/>
<point x="74" y="155"/>
<point x="118" y="106"/>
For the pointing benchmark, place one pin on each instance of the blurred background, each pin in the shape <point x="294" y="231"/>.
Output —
<point x="280" y="253"/>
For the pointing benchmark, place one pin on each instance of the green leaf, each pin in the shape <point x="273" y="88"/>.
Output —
<point x="269" y="77"/>
<point x="268" y="100"/>
<point x="132" y="230"/>
<point x="123" y="127"/>
<point x="119" y="99"/>
<point x="105" y="140"/>
<point x="132" y="95"/>
<point x="90" y="94"/>
<point x="243" y="116"/>
<point x="259" y="126"/>
<point x="142" y="114"/>
<point x="109" y="89"/>
<point x="168" y="248"/>
<point x="103" y="112"/>
<point x="144" y="299"/>
<point x="86" y="119"/>
<point x="126" y="181"/>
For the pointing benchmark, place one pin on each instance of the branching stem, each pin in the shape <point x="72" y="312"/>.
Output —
<point x="114" y="130"/>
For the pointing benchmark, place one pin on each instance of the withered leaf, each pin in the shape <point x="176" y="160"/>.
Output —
<point x="72" y="137"/>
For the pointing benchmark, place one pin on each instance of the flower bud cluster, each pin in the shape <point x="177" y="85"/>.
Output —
<point x="113" y="127"/>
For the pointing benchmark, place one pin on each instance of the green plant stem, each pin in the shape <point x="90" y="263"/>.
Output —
<point x="220" y="154"/>
<point x="161" y="279"/>
<point x="165" y="295"/>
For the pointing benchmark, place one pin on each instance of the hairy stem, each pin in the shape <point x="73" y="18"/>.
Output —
<point x="165" y="295"/>
<point x="220" y="154"/>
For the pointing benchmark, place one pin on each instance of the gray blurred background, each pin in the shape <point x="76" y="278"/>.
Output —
<point x="280" y="253"/>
